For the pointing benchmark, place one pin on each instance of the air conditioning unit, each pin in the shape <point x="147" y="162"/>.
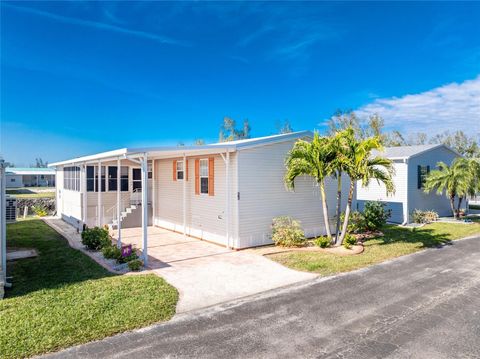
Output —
<point x="11" y="209"/>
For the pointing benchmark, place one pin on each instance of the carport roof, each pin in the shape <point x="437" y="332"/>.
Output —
<point x="177" y="151"/>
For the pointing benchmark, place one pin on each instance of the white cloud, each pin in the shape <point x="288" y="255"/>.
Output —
<point x="449" y="107"/>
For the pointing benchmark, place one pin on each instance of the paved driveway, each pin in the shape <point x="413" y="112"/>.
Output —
<point x="425" y="305"/>
<point x="206" y="274"/>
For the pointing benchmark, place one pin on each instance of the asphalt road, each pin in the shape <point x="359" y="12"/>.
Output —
<point x="425" y="305"/>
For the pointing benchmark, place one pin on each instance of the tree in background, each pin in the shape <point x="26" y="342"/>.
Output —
<point x="199" y="142"/>
<point x="40" y="164"/>
<point x="459" y="141"/>
<point x="284" y="127"/>
<point x="229" y="132"/>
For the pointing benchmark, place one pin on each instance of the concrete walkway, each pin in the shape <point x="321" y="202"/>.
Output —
<point x="206" y="274"/>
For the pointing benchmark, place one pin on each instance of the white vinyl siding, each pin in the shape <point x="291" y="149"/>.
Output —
<point x="263" y="195"/>
<point x="375" y="191"/>
<point x="205" y="214"/>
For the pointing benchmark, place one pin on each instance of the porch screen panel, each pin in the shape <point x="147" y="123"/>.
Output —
<point x="124" y="178"/>
<point x="112" y="178"/>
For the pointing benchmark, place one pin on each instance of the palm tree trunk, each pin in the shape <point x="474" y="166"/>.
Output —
<point x="452" y="206"/>
<point x="347" y="213"/>
<point x="460" y="199"/>
<point x="339" y="205"/>
<point x="325" y="209"/>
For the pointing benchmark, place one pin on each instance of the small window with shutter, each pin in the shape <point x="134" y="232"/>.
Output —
<point x="179" y="170"/>
<point x="204" y="176"/>
<point x="422" y="173"/>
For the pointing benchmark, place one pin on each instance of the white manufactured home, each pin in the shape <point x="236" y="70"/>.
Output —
<point x="227" y="193"/>
<point x="412" y="164"/>
<point x="29" y="177"/>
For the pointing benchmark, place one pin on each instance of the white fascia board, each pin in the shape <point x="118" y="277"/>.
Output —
<point x="98" y="156"/>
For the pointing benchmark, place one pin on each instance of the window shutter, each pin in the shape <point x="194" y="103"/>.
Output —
<point x="211" y="176"/>
<point x="197" y="176"/>
<point x="174" y="170"/>
<point x="185" y="168"/>
<point x="419" y="177"/>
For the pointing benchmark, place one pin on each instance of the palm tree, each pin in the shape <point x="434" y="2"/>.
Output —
<point x="360" y="165"/>
<point x="338" y="166"/>
<point x="458" y="179"/>
<point x="311" y="159"/>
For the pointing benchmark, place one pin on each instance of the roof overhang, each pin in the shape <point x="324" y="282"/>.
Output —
<point x="179" y="151"/>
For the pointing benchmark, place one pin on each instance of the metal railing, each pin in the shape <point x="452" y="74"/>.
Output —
<point x="126" y="200"/>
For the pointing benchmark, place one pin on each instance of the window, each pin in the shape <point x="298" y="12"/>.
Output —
<point x="136" y="178"/>
<point x="71" y="178"/>
<point x="12" y="179"/>
<point x="92" y="178"/>
<point x="204" y="176"/>
<point x="180" y="171"/>
<point x="149" y="169"/>
<point x="422" y="173"/>
<point x="112" y="178"/>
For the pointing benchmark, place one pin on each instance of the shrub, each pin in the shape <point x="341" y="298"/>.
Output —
<point x="349" y="241"/>
<point x="127" y="254"/>
<point x="419" y="216"/>
<point x="96" y="238"/>
<point x="40" y="210"/>
<point x="322" y="242"/>
<point x="375" y="215"/>
<point x="135" y="264"/>
<point x="357" y="223"/>
<point x="111" y="252"/>
<point x="287" y="232"/>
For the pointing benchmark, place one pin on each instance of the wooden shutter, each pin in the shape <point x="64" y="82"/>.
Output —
<point x="197" y="176"/>
<point x="185" y="168"/>
<point x="174" y="170"/>
<point x="211" y="176"/>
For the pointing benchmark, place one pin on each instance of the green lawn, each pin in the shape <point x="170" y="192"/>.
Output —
<point x="62" y="297"/>
<point x="25" y="193"/>
<point x="397" y="241"/>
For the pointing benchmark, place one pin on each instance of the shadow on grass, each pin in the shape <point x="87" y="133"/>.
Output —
<point x="428" y="237"/>
<point x="57" y="263"/>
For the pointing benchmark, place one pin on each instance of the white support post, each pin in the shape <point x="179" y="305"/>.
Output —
<point x="184" y="206"/>
<point x="145" y="209"/>
<point x="119" y="204"/>
<point x="154" y="193"/>
<point x="84" y="195"/>
<point x="99" y="194"/>
<point x="227" y="199"/>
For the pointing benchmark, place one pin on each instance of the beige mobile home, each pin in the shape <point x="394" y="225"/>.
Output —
<point x="412" y="164"/>
<point x="227" y="193"/>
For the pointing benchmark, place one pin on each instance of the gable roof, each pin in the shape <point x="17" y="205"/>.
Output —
<point x="29" y="171"/>
<point x="177" y="151"/>
<point x="404" y="152"/>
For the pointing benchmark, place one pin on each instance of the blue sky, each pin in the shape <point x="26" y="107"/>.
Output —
<point x="82" y="77"/>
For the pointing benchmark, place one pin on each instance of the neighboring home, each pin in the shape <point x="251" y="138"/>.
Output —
<point x="30" y="177"/>
<point x="227" y="193"/>
<point x="412" y="165"/>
